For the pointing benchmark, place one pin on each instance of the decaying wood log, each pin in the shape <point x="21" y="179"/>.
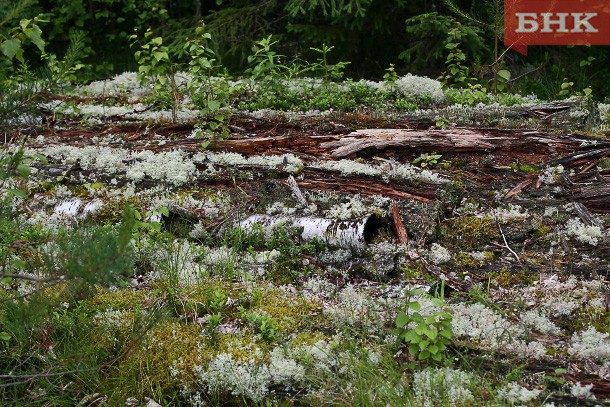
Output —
<point x="331" y="182"/>
<point x="586" y="216"/>
<point x="595" y="197"/>
<point x="453" y="140"/>
<point x="580" y="157"/>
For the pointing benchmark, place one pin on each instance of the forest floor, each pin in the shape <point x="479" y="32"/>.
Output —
<point x="504" y="225"/>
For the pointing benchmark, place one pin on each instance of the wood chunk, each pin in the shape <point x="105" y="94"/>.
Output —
<point x="586" y="216"/>
<point x="399" y="226"/>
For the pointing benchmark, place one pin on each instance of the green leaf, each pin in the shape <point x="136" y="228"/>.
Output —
<point x="432" y="333"/>
<point x="35" y="35"/>
<point x="561" y="370"/>
<point x="417" y="318"/>
<point x="433" y="349"/>
<point x="164" y="211"/>
<point x="447" y="333"/>
<point x="213" y="105"/>
<point x="161" y="55"/>
<point x="18" y="192"/>
<point x="23" y="170"/>
<point x="41" y="158"/>
<point x="4" y="336"/>
<point x="19" y="264"/>
<point x="411" y="337"/>
<point x="413" y="349"/>
<point x="504" y="74"/>
<point x="402" y="319"/>
<point x="415" y="306"/>
<point x="425" y="354"/>
<point x="10" y="47"/>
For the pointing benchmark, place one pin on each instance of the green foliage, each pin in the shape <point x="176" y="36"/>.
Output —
<point x="265" y="63"/>
<point x="390" y="76"/>
<point x="108" y="24"/>
<point x="328" y="71"/>
<point x="427" y="336"/>
<point x="428" y="160"/>
<point x="153" y="58"/>
<point x="435" y="36"/>
<point x="21" y="89"/>
<point x="45" y="276"/>
<point x="261" y="323"/>
<point x="212" y="130"/>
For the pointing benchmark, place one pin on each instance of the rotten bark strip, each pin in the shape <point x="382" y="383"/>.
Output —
<point x="454" y="140"/>
<point x="399" y="227"/>
<point x="332" y="182"/>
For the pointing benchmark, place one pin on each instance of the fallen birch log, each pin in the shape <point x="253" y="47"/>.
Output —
<point x="354" y="235"/>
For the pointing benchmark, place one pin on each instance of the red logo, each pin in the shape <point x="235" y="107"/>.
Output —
<point x="556" y="22"/>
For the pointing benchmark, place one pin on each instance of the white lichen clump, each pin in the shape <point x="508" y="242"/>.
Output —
<point x="287" y="162"/>
<point x="583" y="233"/>
<point x="479" y="324"/>
<point x="535" y="321"/>
<point x="442" y="384"/>
<point x="514" y="393"/>
<point x="578" y="390"/>
<point x="590" y="344"/>
<point x="438" y="254"/>
<point x="420" y="87"/>
<point x="392" y="171"/>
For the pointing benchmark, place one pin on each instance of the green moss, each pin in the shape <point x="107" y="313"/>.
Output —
<point x="468" y="232"/>
<point x="307" y="338"/>
<point x="506" y="278"/>
<point x="169" y="344"/>
<point x="241" y="348"/>
<point x="542" y="232"/>
<point x="464" y="261"/>
<point x="529" y="169"/>
<point x="292" y="313"/>
<point x="119" y="300"/>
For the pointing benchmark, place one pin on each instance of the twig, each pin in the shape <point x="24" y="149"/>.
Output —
<point x="505" y="242"/>
<point x="29" y="377"/>
<point x="518" y="188"/>
<point x="31" y="278"/>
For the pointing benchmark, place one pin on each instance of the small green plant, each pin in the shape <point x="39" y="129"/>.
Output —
<point x="155" y="64"/>
<point x="500" y="80"/>
<point x="328" y="71"/>
<point x="212" y="130"/>
<point x="390" y="76"/>
<point x="201" y="66"/>
<point x="427" y="336"/>
<point x="567" y="89"/>
<point x="427" y="160"/>
<point x="265" y="63"/>
<point x="212" y="324"/>
<point x="441" y="122"/>
<point x="262" y="324"/>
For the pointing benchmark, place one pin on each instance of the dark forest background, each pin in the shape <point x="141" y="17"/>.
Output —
<point x="370" y="34"/>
